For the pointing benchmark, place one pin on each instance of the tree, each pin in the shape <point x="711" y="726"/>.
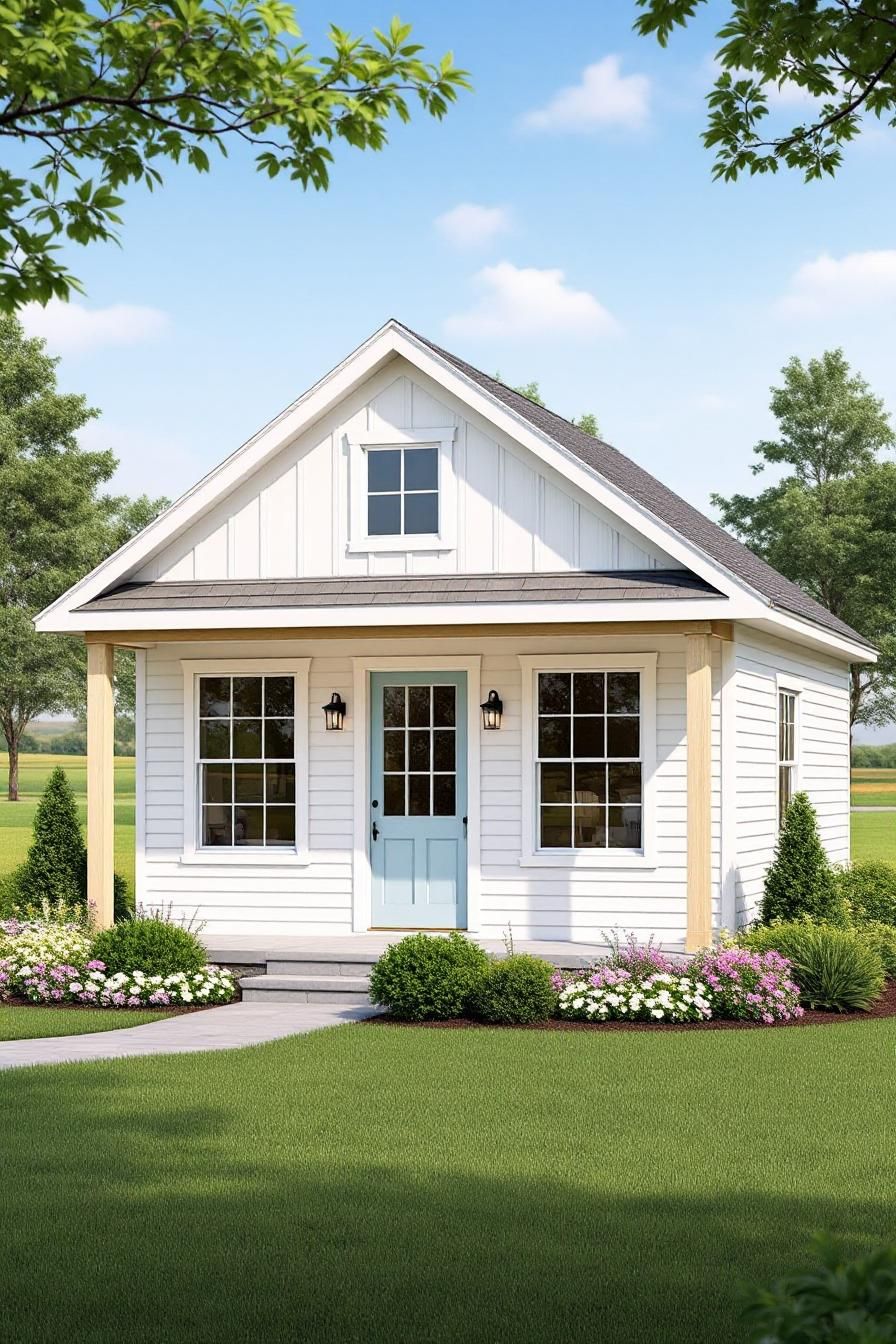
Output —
<point x="830" y="522"/>
<point x="586" y="422"/>
<point x="841" y="54"/>
<point x="54" y="527"/>
<point x="106" y="93"/>
<point x="53" y="868"/>
<point x="800" y="880"/>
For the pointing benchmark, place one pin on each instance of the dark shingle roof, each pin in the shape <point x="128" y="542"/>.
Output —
<point x="634" y="585"/>
<point x="657" y="499"/>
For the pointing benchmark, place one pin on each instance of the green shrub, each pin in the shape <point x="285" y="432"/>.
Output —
<point x="882" y="937"/>
<point x="839" y="1301"/>
<point x="835" y="968"/>
<point x="800" y="880"/>
<point x="870" y="889"/>
<point x="516" y="989"/>
<point x="151" y="945"/>
<point x="426" y="976"/>
<point x="53" y="868"/>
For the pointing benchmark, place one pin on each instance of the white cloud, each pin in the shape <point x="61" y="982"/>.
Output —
<point x="522" y="300"/>
<point x="603" y="97"/>
<point x="469" y="225"/>
<point x="73" y="329"/>
<point x="831" y="286"/>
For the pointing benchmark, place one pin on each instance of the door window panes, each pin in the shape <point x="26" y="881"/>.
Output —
<point x="419" y="751"/>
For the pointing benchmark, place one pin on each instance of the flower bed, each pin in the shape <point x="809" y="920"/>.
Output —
<point x="612" y="993"/>
<point x="51" y="963"/>
<point x="748" y="985"/>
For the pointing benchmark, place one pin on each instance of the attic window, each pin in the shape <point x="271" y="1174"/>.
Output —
<point x="402" y="492"/>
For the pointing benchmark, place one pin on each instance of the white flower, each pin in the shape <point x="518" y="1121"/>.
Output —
<point x="656" y="1012"/>
<point x="75" y="987"/>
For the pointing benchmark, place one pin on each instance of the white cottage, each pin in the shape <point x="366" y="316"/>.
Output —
<point x="422" y="654"/>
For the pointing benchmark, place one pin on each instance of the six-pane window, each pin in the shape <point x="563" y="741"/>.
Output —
<point x="402" y="492"/>
<point x="247" y="770"/>
<point x="786" y="750"/>
<point x="589" y="760"/>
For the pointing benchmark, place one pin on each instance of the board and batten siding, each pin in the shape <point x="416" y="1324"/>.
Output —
<point x="822" y="683"/>
<point x="316" y="898"/>
<point x="291" y="519"/>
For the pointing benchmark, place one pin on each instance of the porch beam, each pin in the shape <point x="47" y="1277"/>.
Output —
<point x="199" y="635"/>
<point x="699" y="791"/>
<point x="100" y="782"/>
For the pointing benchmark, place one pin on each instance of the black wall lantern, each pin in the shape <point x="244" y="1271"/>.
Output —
<point x="492" y="709"/>
<point x="334" y="711"/>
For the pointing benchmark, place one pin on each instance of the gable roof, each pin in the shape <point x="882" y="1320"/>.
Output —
<point x="657" y="498"/>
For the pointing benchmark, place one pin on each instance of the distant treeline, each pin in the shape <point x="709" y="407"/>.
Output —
<point x="73" y="742"/>
<point x="875" y="758"/>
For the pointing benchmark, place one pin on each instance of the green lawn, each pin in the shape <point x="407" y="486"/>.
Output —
<point x="389" y="1185"/>
<point x="874" y="836"/>
<point x="16" y="819"/>
<point x="24" y="1024"/>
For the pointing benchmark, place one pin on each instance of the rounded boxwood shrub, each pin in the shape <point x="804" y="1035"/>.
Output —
<point x="516" y="989"/>
<point x="835" y="968"/>
<point x="870" y="889"/>
<point x="426" y="976"/>
<point x="152" y="945"/>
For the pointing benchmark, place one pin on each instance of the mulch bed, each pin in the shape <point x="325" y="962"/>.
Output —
<point x="885" y="1007"/>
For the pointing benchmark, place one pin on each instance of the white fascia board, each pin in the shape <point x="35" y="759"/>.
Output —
<point x="402" y="614"/>
<point x="225" y="478"/>
<point x="784" y="626"/>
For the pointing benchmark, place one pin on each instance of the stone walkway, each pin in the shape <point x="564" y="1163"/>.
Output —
<point x="226" y="1028"/>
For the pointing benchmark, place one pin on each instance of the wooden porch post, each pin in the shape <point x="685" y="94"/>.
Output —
<point x="699" y="782"/>
<point x="100" y="782"/>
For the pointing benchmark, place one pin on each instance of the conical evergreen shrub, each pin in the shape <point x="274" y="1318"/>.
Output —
<point x="800" y="880"/>
<point x="55" y="864"/>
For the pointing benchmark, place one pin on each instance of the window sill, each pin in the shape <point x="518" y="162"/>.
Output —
<point x="399" y="544"/>
<point x="620" y="859"/>
<point x="259" y="858"/>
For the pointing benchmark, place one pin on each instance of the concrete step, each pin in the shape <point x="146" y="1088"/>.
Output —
<point x="285" y="965"/>
<point x="333" y="989"/>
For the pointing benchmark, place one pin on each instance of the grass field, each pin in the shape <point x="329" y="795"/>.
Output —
<point x="25" y="1024"/>
<point x="874" y="788"/>
<point x="16" y="819"/>
<point x="393" y="1185"/>
<point x="873" y="834"/>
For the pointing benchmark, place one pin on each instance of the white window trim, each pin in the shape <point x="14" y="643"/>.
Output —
<point x="645" y="663"/>
<point x="258" y="856"/>
<point x="792" y="686"/>
<point x="441" y="437"/>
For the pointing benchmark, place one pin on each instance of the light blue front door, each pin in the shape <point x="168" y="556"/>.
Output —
<point x="418" y="800"/>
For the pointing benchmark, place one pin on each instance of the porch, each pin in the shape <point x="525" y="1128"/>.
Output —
<point x="570" y="898"/>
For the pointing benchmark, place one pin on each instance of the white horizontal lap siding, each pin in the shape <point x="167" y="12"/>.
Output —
<point x="582" y="904"/>
<point x="823" y="770"/>
<point x="313" y="898"/>
<point x="291" y="518"/>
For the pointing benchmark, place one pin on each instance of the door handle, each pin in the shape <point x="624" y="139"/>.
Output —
<point x="465" y="827"/>
<point x="374" y="830"/>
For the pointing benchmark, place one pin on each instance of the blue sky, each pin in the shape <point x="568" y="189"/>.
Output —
<point x="616" y="272"/>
